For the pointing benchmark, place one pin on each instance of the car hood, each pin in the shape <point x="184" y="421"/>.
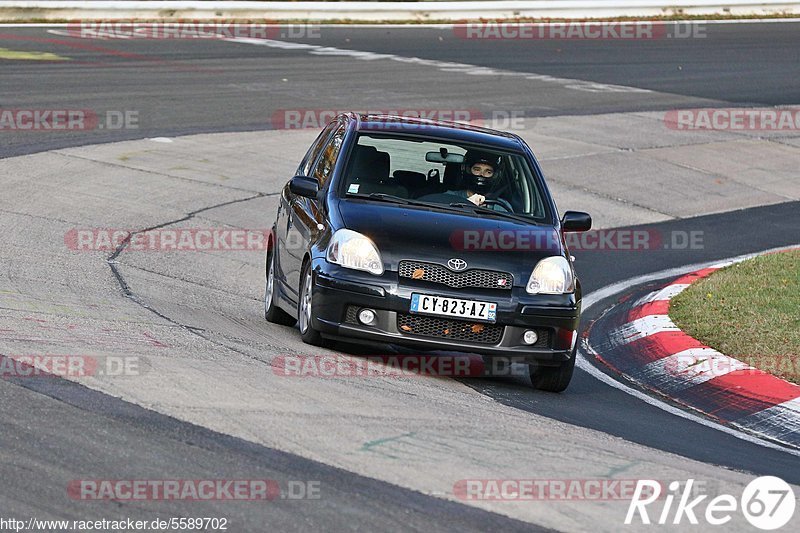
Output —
<point x="486" y="242"/>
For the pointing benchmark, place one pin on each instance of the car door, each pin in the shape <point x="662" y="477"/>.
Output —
<point x="289" y="251"/>
<point x="304" y="214"/>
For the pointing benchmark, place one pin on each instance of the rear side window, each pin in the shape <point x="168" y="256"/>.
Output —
<point x="328" y="158"/>
<point x="316" y="148"/>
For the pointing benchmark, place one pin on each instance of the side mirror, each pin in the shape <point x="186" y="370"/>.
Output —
<point x="304" y="186"/>
<point x="576" y="221"/>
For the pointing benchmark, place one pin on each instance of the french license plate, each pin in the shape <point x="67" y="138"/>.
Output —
<point x="454" y="307"/>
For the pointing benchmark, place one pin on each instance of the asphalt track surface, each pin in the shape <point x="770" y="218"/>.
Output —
<point x="78" y="430"/>
<point x="180" y="88"/>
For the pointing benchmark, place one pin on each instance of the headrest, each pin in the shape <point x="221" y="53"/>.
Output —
<point x="369" y="165"/>
<point x="413" y="181"/>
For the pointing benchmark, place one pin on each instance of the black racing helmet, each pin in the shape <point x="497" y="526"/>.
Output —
<point x="479" y="184"/>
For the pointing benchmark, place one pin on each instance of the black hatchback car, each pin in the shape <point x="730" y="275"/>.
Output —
<point x="430" y="235"/>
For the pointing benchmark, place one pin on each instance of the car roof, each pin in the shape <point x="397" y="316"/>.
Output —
<point x="438" y="129"/>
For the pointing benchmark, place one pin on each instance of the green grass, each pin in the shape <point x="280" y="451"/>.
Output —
<point x="23" y="55"/>
<point x="750" y="311"/>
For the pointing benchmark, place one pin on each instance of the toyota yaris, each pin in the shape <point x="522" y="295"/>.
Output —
<point x="430" y="235"/>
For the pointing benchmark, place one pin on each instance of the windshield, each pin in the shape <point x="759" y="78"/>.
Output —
<point x="387" y="168"/>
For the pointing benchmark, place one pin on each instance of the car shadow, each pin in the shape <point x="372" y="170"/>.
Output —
<point x="475" y="371"/>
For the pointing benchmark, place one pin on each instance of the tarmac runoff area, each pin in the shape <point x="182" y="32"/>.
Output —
<point x="205" y="354"/>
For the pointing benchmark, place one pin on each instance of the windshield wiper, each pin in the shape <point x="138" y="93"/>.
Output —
<point x="400" y="200"/>
<point x="486" y="210"/>
<point x="389" y="197"/>
<point x="381" y="196"/>
<point x="397" y="199"/>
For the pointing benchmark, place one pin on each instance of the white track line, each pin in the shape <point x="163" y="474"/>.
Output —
<point x="444" y="66"/>
<point x="615" y="288"/>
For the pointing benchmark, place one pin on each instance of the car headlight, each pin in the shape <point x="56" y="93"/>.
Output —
<point x="552" y="275"/>
<point x="350" y="249"/>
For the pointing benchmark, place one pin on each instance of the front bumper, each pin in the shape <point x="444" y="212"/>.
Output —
<point x="338" y="294"/>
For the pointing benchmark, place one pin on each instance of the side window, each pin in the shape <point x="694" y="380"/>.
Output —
<point x="313" y="152"/>
<point x="328" y="159"/>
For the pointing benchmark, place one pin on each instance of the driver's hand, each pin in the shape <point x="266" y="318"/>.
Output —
<point x="477" y="199"/>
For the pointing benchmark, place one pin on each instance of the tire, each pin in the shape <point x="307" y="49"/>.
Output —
<point x="272" y="312"/>
<point x="304" y="309"/>
<point x="553" y="378"/>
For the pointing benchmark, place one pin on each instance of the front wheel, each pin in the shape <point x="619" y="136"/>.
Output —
<point x="553" y="378"/>
<point x="307" y="331"/>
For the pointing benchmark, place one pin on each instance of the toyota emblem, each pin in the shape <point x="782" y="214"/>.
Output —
<point x="457" y="264"/>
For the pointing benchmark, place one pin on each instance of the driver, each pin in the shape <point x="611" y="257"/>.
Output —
<point x="477" y="176"/>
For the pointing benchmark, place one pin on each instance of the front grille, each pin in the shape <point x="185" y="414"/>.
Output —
<point x="484" y="279"/>
<point x="426" y="326"/>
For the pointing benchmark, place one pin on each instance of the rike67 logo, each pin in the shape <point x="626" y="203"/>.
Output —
<point x="767" y="503"/>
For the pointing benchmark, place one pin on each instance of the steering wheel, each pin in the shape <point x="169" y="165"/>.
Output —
<point x="446" y="198"/>
<point x="499" y="201"/>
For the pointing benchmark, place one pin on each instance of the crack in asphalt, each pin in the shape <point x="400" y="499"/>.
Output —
<point x="192" y="282"/>
<point x="128" y="293"/>
<point x="40" y="217"/>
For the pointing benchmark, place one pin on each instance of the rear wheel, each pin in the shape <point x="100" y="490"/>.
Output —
<point x="307" y="331"/>
<point x="553" y="378"/>
<point x="272" y="312"/>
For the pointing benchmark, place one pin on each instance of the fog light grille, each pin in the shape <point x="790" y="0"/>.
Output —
<point x="351" y="316"/>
